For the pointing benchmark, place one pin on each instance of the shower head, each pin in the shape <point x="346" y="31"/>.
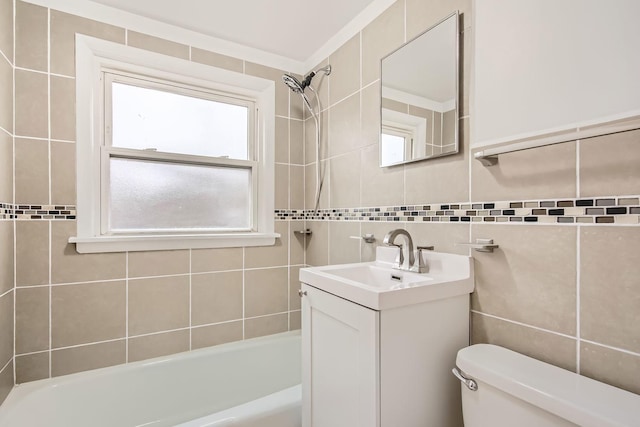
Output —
<point x="298" y="86"/>
<point x="293" y="83"/>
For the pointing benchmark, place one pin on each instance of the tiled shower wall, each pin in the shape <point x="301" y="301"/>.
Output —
<point x="77" y="312"/>
<point x="6" y="197"/>
<point x="567" y="294"/>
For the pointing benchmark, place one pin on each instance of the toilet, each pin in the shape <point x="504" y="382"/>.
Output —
<point x="503" y="388"/>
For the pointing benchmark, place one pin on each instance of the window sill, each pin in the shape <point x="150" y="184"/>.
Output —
<point x="88" y="245"/>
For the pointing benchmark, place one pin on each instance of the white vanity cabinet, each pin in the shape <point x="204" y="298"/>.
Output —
<point x="390" y="367"/>
<point x="340" y="366"/>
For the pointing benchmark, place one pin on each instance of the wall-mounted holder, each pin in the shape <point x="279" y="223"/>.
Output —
<point x="489" y="156"/>
<point x="368" y="238"/>
<point x="306" y="232"/>
<point x="481" y="245"/>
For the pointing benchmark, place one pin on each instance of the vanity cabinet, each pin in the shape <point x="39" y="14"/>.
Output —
<point x="381" y="368"/>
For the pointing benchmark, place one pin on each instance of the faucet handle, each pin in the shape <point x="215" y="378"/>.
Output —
<point x="420" y="266"/>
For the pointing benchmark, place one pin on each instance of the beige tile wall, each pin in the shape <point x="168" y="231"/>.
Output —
<point x="567" y="295"/>
<point x="7" y="282"/>
<point x="78" y="312"/>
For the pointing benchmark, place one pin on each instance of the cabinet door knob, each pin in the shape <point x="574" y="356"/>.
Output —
<point x="301" y="293"/>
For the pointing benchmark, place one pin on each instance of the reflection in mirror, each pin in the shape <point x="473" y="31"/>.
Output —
<point x="420" y="97"/>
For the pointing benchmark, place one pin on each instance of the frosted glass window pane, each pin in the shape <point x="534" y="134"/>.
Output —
<point x="145" y="118"/>
<point x="148" y="195"/>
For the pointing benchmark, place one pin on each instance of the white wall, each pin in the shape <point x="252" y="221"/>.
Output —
<point x="566" y="64"/>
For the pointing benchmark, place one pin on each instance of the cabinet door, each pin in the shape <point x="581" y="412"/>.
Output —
<point x="340" y="362"/>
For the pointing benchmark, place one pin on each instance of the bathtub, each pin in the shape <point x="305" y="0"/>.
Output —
<point x="250" y="383"/>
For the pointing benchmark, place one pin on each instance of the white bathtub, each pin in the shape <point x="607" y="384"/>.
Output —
<point x="249" y="383"/>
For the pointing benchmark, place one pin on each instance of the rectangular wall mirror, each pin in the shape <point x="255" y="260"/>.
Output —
<point x="419" y="97"/>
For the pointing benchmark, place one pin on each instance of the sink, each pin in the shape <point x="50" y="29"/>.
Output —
<point x="379" y="286"/>
<point x="378" y="276"/>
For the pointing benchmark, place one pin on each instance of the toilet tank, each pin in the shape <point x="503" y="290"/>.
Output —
<point x="516" y="390"/>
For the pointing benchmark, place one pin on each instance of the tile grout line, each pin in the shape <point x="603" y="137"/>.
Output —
<point x="405" y="21"/>
<point x="621" y="350"/>
<point x="289" y="245"/>
<point x="14" y="227"/>
<point x="515" y="322"/>
<point x="361" y="149"/>
<point x="33" y="70"/>
<point x="38" y="138"/>
<point x="13" y="195"/>
<point x="87" y="344"/>
<point x="244" y="250"/>
<point x="5" y="56"/>
<point x="578" y="296"/>
<point x="49" y="166"/>
<point x="50" y="163"/>
<point x="50" y="299"/>
<point x="8" y="292"/>
<point x="29" y="353"/>
<point x="120" y="279"/>
<point x="10" y="361"/>
<point x="190" y="293"/>
<point x="578" y="189"/>
<point x="126" y="307"/>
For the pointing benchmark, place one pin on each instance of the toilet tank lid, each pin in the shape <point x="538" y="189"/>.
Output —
<point x="576" y="398"/>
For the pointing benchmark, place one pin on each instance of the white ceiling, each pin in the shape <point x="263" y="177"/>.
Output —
<point x="294" y="29"/>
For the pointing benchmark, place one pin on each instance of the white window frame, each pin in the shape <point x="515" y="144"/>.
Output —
<point x="93" y="57"/>
<point x="412" y="128"/>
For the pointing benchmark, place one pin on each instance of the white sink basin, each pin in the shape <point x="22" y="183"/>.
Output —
<point x="379" y="286"/>
<point x="377" y="276"/>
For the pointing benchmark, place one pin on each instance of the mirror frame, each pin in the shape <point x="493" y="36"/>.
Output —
<point x="456" y="13"/>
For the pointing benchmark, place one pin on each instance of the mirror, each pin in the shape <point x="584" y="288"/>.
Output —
<point x="419" y="97"/>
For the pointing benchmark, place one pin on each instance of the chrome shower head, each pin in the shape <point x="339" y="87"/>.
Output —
<point x="293" y="83"/>
<point x="298" y="86"/>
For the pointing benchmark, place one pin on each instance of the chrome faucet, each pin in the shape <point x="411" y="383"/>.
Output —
<point x="406" y="259"/>
<point x="407" y="262"/>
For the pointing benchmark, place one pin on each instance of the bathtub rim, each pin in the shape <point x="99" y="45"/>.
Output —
<point x="21" y="391"/>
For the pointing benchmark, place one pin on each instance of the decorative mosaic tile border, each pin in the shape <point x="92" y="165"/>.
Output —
<point x="602" y="210"/>
<point x="6" y="211"/>
<point x="30" y="212"/>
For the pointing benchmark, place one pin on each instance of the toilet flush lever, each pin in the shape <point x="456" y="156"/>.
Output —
<point x="471" y="384"/>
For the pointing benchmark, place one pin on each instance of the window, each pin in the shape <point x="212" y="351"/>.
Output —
<point x="171" y="154"/>
<point x="396" y="145"/>
<point x="176" y="159"/>
<point x="403" y="137"/>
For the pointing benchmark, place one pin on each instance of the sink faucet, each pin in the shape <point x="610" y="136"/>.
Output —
<point x="406" y="259"/>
